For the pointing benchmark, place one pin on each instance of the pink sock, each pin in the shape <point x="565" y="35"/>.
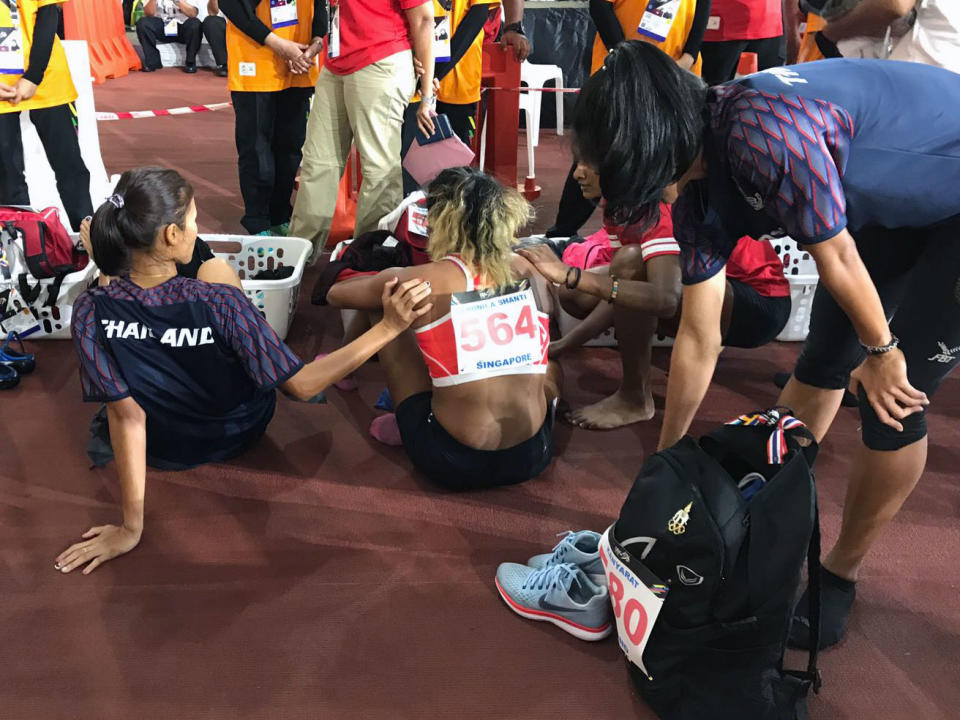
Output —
<point x="385" y="429"/>
<point x="348" y="384"/>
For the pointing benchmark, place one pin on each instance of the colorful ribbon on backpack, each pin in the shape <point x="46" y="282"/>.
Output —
<point x="777" y="442"/>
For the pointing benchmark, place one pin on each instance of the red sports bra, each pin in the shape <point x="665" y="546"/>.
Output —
<point x="487" y="333"/>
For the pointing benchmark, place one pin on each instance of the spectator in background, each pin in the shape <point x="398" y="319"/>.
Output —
<point x="679" y="36"/>
<point x="513" y="34"/>
<point x="361" y="96"/>
<point x="458" y="55"/>
<point x="459" y="67"/>
<point x="167" y="21"/>
<point x="214" y="28"/>
<point x="34" y="76"/>
<point x="738" y="26"/>
<point x="271" y="100"/>
<point x="927" y="31"/>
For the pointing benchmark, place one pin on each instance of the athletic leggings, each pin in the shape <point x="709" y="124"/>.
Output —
<point x="917" y="273"/>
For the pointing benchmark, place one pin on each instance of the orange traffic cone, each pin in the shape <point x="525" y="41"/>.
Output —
<point x="345" y="216"/>
<point x="748" y="64"/>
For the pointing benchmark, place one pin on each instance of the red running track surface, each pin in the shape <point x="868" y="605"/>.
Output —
<point x="319" y="577"/>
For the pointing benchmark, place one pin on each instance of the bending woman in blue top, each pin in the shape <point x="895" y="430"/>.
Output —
<point x="854" y="159"/>
<point x="188" y="368"/>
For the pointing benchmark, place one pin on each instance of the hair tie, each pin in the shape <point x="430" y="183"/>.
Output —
<point x="116" y="201"/>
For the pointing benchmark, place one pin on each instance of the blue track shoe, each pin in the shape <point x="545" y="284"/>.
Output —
<point x="9" y="377"/>
<point x="560" y="594"/>
<point x="20" y="360"/>
<point x="580" y="548"/>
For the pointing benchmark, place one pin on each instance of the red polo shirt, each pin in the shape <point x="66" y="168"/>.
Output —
<point x="370" y="30"/>
<point x="744" y="20"/>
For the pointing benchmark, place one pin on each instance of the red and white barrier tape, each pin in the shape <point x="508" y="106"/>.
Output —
<point x="530" y="89"/>
<point x="190" y="109"/>
<point x="137" y="114"/>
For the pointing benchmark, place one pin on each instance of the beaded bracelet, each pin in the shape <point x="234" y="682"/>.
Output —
<point x="615" y="290"/>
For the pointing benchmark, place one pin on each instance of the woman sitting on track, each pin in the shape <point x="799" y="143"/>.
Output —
<point x="188" y="368"/>
<point x="488" y="418"/>
<point x="646" y="271"/>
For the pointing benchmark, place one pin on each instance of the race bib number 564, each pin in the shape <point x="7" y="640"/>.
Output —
<point x="637" y="596"/>
<point x="497" y="332"/>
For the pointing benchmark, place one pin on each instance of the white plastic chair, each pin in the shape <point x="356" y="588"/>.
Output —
<point x="536" y="76"/>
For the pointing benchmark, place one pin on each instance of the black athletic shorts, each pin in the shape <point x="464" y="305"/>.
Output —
<point x="756" y="319"/>
<point x="448" y="462"/>
<point x="917" y="275"/>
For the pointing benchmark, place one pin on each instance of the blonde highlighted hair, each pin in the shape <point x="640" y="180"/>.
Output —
<point x="472" y="215"/>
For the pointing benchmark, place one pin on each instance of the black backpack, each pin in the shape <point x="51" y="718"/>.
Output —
<point x="732" y="567"/>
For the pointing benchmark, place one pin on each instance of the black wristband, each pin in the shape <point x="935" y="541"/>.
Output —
<point x="577" y="274"/>
<point x="516" y="27"/>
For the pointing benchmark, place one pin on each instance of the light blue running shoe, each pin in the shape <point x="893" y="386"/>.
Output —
<point x="580" y="548"/>
<point x="559" y="594"/>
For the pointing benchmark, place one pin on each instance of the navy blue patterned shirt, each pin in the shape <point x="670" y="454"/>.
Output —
<point x="197" y="357"/>
<point x="813" y="149"/>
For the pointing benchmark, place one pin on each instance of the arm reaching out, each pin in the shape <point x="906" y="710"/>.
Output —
<point x="402" y="304"/>
<point x="694" y="356"/>
<point x="128" y="435"/>
<point x="657" y="297"/>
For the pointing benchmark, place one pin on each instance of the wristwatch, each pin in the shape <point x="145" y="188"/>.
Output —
<point x="882" y="349"/>
<point x="516" y="27"/>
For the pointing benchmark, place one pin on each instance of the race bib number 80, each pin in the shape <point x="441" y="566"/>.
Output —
<point x="496" y="332"/>
<point x="637" y="596"/>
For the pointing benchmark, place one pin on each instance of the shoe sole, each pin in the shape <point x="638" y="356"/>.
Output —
<point x="582" y="632"/>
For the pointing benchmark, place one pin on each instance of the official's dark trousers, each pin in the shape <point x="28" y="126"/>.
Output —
<point x="58" y="133"/>
<point x="270" y="130"/>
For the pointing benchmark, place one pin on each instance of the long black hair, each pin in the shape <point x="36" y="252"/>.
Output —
<point x="639" y="121"/>
<point x="145" y="201"/>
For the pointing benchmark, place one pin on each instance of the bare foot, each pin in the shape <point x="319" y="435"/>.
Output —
<point x="612" y="412"/>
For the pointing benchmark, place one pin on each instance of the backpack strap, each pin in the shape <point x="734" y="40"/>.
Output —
<point x="784" y="427"/>
<point x="812" y="673"/>
<point x="53" y="292"/>
<point x="29" y="294"/>
<point x="813" y="597"/>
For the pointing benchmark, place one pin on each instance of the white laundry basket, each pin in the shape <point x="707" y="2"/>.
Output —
<point x="800" y="269"/>
<point x="796" y="261"/>
<point x="802" y="289"/>
<point x="53" y="323"/>
<point x="275" y="299"/>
